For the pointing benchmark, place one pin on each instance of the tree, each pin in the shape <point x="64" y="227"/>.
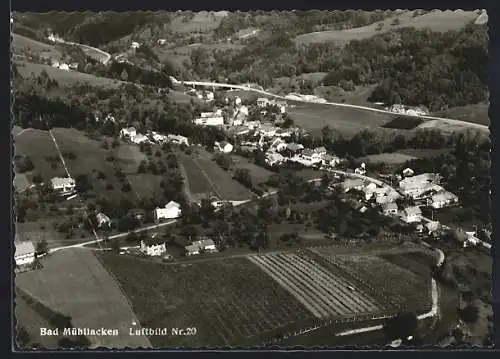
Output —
<point x="402" y="325"/>
<point x="115" y="245"/>
<point x="470" y="314"/>
<point x="243" y="176"/>
<point x="41" y="247"/>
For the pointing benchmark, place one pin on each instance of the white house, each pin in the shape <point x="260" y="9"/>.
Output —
<point x="390" y="209"/>
<point x="252" y="124"/>
<point x="25" y="254"/>
<point x="443" y="199"/>
<point x="223" y="146"/>
<point x="63" y="66"/>
<point x="158" y="137"/>
<point x="267" y="130"/>
<point x="139" y="138"/>
<point x="329" y="160"/>
<point x="73" y="66"/>
<point x="178" y="139"/>
<point x="171" y="210"/>
<point x="278" y="145"/>
<point x="309" y="157"/>
<point x="243" y="110"/>
<point x="153" y="247"/>
<point x="197" y="247"/>
<point x="262" y="102"/>
<point x="209" y="96"/>
<point x="412" y="214"/>
<point x="135" y="45"/>
<point x="63" y="185"/>
<point x="162" y="41"/>
<point x="361" y="170"/>
<point x="128" y="132"/>
<point x="209" y="121"/>
<point x="432" y="226"/>
<point x="237" y="101"/>
<point x="408" y="172"/>
<point x="274" y="159"/>
<point x="102" y="220"/>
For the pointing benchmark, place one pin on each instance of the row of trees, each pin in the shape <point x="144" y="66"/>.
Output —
<point x="415" y="67"/>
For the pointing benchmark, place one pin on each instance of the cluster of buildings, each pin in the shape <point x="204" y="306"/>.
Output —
<point x="426" y="187"/>
<point x="404" y="110"/>
<point x="207" y="96"/>
<point x="156" y="247"/>
<point x="131" y="134"/>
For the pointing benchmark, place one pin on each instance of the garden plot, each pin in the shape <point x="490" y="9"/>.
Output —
<point x="400" y="288"/>
<point x="323" y="293"/>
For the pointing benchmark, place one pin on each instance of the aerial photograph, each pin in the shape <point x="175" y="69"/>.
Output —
<point x="251" y="180"/>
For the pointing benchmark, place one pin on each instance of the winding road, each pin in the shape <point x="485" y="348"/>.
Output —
<point x="106" y="55"/>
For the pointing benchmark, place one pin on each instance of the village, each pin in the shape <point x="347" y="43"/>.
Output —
<point x="402" y="202"/>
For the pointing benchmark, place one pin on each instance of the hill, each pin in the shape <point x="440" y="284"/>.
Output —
<point x="22" y="44"/>
<point x="440" y="21"/>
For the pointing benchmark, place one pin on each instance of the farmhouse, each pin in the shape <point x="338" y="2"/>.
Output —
<point x="443" y="199"/>
<point x="277" y="145"/>
<point x="412" y="214"/>
<point x="262" y="102"/>
<point x="280" y="132"/>
<point x="178" y="139"/>
<point x="153" y="246"/>
<point x="201" y="246"/>
<point x="128" y="132"/>
<point x="214" y="120"/>
<point x="139" y="138"/>
<point x="171" y="210"/>
<point x="361" y="170"/>
<point x="390" y="209"/>
<point x="274" y="159"/>
<point x="329" y="160"/>
<point x="417" y="185"/>
<point x="432" y="226"/>
<point x="158" y="138"/>
<point x="294" y="147"/>
<point x="267" y="130"/>
<point x="352" y="183"/>
<point x="63" y="185"/>
<point x="135" y="45"/>
<point x="223" y="146"/>
<point x="102" y="220"/>
<point x="408" y="172"/>
<point x="253" y="124"/>
<point x="25" y="254"/>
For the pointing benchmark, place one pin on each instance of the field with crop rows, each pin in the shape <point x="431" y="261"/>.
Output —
<point x="230" y="301"/>
<point x="324" y="293"/>
<point x="401" y="288"/>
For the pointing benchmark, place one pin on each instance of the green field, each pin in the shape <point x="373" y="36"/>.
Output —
<point x="205" y="177"/>
<point x="38" y="146"/>
<point x="436" y="20"/>
<point x="394" y="158"/>
<point x="471" y="113"/>
<point x="74" y="284"/>
<point x="259" y="174"/>
<point x="22" y="44"/>
<point x="314" y="117"/>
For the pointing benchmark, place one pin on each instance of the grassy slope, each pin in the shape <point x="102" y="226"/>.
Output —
<point x="22" y="43"/>
<point x="437" y="21"/>
<point x="74" y="284"/>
